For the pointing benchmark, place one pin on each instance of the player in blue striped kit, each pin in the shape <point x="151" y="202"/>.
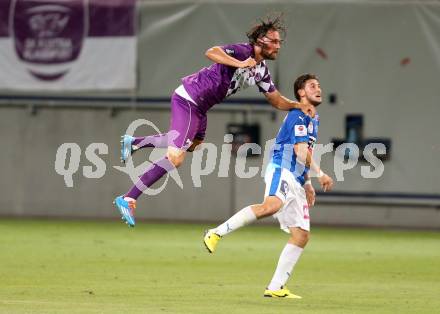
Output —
<point x="288" y="191"/>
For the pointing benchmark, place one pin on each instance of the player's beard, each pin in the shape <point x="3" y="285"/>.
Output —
<point x="266" y="55"/>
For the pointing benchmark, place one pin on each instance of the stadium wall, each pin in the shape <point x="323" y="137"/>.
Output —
<point x="380" y="59"/>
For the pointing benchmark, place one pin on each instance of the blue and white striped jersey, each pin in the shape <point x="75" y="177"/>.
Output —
<point x="296" y="128"/>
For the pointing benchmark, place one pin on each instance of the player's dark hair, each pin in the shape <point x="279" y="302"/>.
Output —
<point x="272" y="22"/>
<point x="300" y="83"/>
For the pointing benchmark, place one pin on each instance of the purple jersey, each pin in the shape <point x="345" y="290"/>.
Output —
<point x="212" y="85"/>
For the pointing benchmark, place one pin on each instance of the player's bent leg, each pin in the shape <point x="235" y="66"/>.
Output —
<point x="271" y="205"/>
<point x="242" y="218"/>
<point x="130" y="144"/>
<point x="161" y="140"/>
<point x="184" y="127"/>
<point x="151" y="175"/>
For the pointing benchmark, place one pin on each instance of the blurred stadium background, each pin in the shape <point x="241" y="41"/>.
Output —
<point x="378" y="62"/>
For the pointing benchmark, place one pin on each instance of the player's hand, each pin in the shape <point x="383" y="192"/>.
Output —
<point x="248" y="63"/>
<point x="310" y="194"/>
<point x="326" y="182"/>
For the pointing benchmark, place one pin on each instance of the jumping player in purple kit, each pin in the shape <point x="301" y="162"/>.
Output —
<point x="237" y="66"/>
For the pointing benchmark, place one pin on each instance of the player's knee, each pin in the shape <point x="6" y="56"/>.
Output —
<point x="271" y="209"/>
<point x="176" y="159"/>
<point x="305" y="237"/>
<point x="301" y="238"/>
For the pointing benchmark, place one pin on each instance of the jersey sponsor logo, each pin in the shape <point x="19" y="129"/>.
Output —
<point x="300" y="130"/>
<point x="230" y="51"/>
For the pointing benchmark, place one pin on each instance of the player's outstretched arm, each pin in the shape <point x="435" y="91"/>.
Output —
<point x="218" y="55"/>
<point x="280" y="102"/>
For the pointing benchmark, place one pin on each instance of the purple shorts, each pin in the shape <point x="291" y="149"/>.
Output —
<point x="187" y="122"/>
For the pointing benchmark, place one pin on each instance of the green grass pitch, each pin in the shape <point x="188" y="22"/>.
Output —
<point x="104" y="267"/>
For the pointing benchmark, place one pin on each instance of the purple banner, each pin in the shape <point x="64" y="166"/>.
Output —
<point x="4" y="17"/>
<point x="67" y="43"/>
<point x="112" y="17"/>
<point x="104" y="17"/>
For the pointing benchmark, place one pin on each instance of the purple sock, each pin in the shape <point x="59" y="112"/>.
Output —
<point x="156" y="171"/>
<point x="159" y="141"/>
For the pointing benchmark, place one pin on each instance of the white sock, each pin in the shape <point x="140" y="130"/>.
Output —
<point x="288" y="258"/>
<point x="240" y="219"/>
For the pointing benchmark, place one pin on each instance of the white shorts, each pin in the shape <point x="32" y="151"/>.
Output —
<point x="280" y="182"/>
